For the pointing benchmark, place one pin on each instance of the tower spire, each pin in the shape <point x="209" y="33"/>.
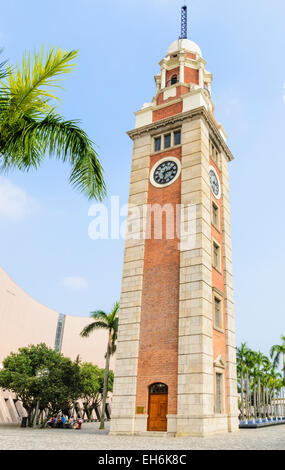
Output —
<point x="184" y="25"/>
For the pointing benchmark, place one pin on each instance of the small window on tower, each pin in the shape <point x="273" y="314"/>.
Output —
<point x="214" y="153"/>
<point x="174" y="79"/>
<point x="219" y="394"/>
<point x="216" y="256"/>
<point x="218" y="320"/>
<point x="215" y="216"/>
<point x="177" y="138"/>
<point x="157" y="144"/>
<point x="167" y="141"/>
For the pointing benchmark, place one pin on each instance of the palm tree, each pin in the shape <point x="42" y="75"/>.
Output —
<point x="276" y="352"/>
<point x="249" y="364"/>
<point x="259" y="360"/>
<point x="31" y="128"/>
<point x="108" y="322"/>
<point x="241" y="367"/>
<point x="267" y="366"/>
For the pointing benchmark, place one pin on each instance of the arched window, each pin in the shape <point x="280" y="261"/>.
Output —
<point x="174" y="79"/>
<point x="158" y="388"/>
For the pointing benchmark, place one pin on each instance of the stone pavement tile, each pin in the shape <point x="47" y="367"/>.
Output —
<point x="90" y="438"/>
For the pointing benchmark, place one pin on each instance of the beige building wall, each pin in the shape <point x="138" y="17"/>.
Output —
<point x="92" y="349"/>
<point x="24" y="321"/>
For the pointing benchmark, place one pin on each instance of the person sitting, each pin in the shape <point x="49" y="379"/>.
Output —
<point x="79" y="423"/>
<point x="59" y="422"/>
<point x="51" y="423"/>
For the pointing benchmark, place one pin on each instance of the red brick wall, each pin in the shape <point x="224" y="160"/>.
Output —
<point x="167" y="111"/>
<point x="158" y="348"/>
<point x="191" y="75"/>
<point x="180" y="90"/>
<point x="219" y="338"/>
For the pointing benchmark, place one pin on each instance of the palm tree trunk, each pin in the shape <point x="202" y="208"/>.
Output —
<point x="259" y="401"/>
<point x="105" y="388"/>
<point x="283" y="368"/>
<point x="242" y="397"/>
<point x="254" y="402"/>
<point x="247" y="397"/>
<point x="264" y="403"/>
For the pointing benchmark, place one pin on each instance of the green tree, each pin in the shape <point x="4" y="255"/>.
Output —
<point x="109" y="322"/>
<point x="259" y="362"/>
<point x="92" y="384"/>
<point x="30" y="128"/>
<point x="276" y="352"/>
<point x="40" y="375"/>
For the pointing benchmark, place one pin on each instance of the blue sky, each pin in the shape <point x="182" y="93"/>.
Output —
<point x="44" y="234"/>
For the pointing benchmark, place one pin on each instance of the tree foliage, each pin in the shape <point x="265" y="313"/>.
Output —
<point x="38" y="374"/>
<point x="92" y="384"/>
<point x="259" y="383"/>
<point x="30" y="127"/>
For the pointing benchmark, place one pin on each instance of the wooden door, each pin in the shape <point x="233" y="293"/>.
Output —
<point x="157" y="420"/>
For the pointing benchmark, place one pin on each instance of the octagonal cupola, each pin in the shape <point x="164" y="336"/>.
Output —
<point x="183" y="82"/>
<point x="182" y="71"/>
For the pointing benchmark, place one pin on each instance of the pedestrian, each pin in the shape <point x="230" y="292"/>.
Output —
<point x="79" y="423"/>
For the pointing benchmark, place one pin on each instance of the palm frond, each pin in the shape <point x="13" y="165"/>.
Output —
<point x="99" y="315"/>
<point x="92" y="327"/>
<point x="275" y="353"/>
<point x="27" y="143"/>
<point x="31" y="85"/>
<point x="114" y="311"/>
<point x="4" y="71"/>
<point x="4" y="94"/>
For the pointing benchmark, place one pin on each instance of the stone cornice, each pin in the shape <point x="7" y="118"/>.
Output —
<point x="158" y="126"/>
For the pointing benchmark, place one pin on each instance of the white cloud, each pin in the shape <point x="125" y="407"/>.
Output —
<point x="15" y="203"/>
<point x="75" y="283"/>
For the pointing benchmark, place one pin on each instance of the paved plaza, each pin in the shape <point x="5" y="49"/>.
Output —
<point x="90" y="438"/>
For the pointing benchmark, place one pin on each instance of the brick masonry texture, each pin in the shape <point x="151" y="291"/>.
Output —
<point x="191" y="75"/>
<point x="167" y="111"/>
<point x="219" y="338"/>
<point x="158" y="350"/>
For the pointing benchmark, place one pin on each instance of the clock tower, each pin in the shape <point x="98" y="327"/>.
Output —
<point x="175" y="367"/>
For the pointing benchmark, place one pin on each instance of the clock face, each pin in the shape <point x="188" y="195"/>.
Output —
<point x="215" y="183"/>
<point x="165" y="172"/>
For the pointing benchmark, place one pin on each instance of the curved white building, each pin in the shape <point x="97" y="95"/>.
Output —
<point x="25" y="321"/>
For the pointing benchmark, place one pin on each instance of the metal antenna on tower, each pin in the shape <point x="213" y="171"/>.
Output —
<point x="184" y="25"/>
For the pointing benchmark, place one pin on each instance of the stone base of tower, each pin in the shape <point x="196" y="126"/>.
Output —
<point x="194" y="426"/>
<point x="177" y="426"/>
<point x="122" y="426"/>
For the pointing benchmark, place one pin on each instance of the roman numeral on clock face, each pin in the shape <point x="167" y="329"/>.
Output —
<point x="165" y="172"/>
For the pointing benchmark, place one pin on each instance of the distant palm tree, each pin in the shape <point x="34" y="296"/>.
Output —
<point x="108" y="322"/>
<point x="259" y="362"/>
<point x="242" y="369"/>
<point x="276" y="352"/>
<point x="30" y="127"/>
